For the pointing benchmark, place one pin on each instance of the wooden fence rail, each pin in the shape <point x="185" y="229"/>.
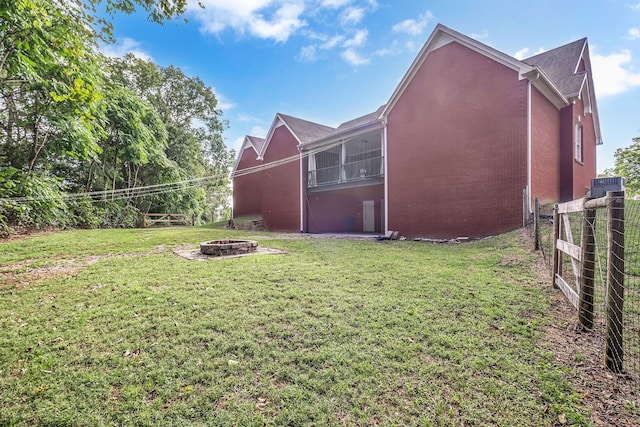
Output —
<point x="583" y="266"/>
<point x="150" y="219"/>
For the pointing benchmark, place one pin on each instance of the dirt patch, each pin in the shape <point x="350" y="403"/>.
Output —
<point x="609" y="397"/>
<point x="20" y="274"/>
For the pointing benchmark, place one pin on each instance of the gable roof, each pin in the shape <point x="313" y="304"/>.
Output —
<point x="256" y="142"/>
<point x="302" y="130"/>
<point x="305" y="130"/>
<point x="253" y="142"/>
<point x="563" y="66"/>
<point x="443" y="35"/>
<point x="359" y="121"/>
<point x="560" y="64"/>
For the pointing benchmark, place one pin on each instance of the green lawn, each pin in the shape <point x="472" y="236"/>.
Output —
<point x="109" y="327"/>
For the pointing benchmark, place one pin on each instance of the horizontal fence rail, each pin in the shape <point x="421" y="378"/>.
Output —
<point x="151" y="219"/>
<point x="592" y="248"/>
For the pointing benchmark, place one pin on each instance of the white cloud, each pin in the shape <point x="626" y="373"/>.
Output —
<point x="359" y="39"/>
<point x="613" y="74"/>
<point x="412" y="26"/>
<point x="224" y="104"/>
<point x="335" y="3"/>
<point x="332" y="42"/>
<point x="352" y="15"/>
<point x="634" y="6"/>
<point x="258" y="131"/>
<point x="479" y="36"/>
<point x="522" y="53"/>
<point x="308" y="54"/>
<point x="124" y="46"/>
<point x="411" y="46"/>
<point x="633" y="34"/>
<point x="247" y="118"/>
<point x="266" y="19"/>
<point x="354" y="58"/>
<point x="237" y="143"/>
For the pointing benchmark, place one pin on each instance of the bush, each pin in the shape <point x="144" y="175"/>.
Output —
<point x="37" y="200"/>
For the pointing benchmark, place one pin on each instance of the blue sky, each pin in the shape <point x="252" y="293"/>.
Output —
<point x="329" y="61"/>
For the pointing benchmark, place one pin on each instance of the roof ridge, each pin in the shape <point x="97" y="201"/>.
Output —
<point x="583" y="39"/>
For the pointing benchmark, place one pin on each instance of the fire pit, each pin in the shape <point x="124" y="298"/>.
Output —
<point x="228" y="247"/>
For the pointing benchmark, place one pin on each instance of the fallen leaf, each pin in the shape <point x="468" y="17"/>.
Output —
<point x="562" y="418"/>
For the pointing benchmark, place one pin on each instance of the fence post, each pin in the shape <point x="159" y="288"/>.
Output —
<point x="144" y="221"/>
<point x="556" y="253"/>
<point x="587" y="273"/>
<point x="536" y="225"/>
<point x="615" y="280"/>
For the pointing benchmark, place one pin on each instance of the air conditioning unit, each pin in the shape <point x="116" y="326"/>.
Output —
<point x="600" y="186"/>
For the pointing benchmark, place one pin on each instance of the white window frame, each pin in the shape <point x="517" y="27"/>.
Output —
<point x="579" y="144"/>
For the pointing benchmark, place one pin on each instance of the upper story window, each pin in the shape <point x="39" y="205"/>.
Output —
<point x="579" y="146"/>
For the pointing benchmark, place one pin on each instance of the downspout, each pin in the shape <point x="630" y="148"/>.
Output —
<point x="301" y="193"/>
<point x="529" y="142"/>
<point x="386" y="177"/>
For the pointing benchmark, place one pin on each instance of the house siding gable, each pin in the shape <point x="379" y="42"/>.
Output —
<point x="457" y="147"/>
<point x="281" y="184"/>
<point x="247" y="189"/>
<point x="545" y="149"/>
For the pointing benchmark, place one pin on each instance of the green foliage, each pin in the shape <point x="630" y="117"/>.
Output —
<point x="69" y="115"/>
<point x="43" y="206"/>
<point x="627" y="164"/>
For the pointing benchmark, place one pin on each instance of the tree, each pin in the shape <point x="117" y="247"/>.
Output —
<point x="188" y="108"/>
<point x="49" y="83"/>
<point x="627" y="164"/>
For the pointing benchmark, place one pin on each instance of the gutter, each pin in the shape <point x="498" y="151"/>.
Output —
<point x="339" y="137"/>
<point x="529" y="142"/>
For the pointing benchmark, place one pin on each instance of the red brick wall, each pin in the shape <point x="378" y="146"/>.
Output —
<point x="583" y="172"/>
<point x="247" y="189"/>
<point x="340" y="211"/>
<point x="545" y="149"/>
<point x="281" y="185"/>
<point x="457" y="148"/>
<point x="576" y="176"/>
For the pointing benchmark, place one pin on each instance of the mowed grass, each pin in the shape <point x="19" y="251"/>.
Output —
<point x="109" y="327"/>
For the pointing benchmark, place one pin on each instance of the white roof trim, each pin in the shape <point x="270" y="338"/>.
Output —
<point x="580" y="58"/>
<point x="245" y="144"/>
<point x="277" y="122"/>
<point x="442" y="36"/>
<point x="543" y="83"/>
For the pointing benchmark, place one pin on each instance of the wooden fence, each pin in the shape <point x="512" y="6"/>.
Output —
<point x="151" y="219"/>
<point x="583" y="259"/>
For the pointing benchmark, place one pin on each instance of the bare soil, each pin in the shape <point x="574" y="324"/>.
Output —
<point x="613" y="400"/>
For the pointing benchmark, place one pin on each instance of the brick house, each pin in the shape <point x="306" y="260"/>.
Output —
<point x="464" y="144"/>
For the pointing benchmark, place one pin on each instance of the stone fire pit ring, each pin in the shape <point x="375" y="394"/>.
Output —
<point x="228" y="247"/>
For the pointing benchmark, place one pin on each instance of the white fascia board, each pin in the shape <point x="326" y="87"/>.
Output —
<point x="277" y="122"/>
<point x="543" y="83"/>
<point x="245" y="144"/>
<point x="341" y="136"/>
<point x="442" y="36"/>
<point x="584" y="45"/>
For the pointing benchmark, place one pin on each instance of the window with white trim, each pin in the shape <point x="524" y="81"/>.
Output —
<point x="579" y="146"/>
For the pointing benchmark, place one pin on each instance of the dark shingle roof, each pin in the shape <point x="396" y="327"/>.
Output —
<point x="559" y="65"/>
<point x="305" y="130"/>
<point x="256" y="142"/>
<point x="367" y="118"/>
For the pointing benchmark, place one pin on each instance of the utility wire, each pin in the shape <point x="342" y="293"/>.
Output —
<point x="155" y="189"/>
